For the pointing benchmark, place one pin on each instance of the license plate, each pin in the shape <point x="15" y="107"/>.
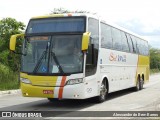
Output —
<point x="47" y="91"/>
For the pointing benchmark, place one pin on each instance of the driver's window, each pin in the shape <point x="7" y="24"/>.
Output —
<point x="92" y="53"/>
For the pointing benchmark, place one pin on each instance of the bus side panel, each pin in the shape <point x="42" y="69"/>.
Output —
<point x="119" y="67"/>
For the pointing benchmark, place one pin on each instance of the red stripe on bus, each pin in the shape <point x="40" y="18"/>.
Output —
<point x="61" y="87"/>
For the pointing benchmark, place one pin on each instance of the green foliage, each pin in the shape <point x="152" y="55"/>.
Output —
<point x="154" y="58"/>
<point x="8" y="27"/>
<point x="153" y="71"/>
<point x="9" y="62"/>
<point x="8" y="78"/>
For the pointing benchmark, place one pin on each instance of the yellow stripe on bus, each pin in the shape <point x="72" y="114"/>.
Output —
<point x="48" y="16"/>
<point x="143" y="67"/>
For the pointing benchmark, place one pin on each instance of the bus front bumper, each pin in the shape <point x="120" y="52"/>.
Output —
<point x="76" y="91"/>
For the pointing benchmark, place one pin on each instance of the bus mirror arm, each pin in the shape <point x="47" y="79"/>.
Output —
<point x="93" y="54"/>
<point x="19" y="53"/>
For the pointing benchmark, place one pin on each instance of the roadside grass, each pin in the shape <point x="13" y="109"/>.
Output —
<point x="153" y="71"/>
<point x="8" y="78"/>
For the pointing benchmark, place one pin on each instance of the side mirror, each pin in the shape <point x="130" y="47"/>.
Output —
<point x="85" y="41"/>
<point x="13" y="40"/>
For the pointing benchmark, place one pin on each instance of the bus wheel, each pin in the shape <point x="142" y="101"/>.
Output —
<point x="103" y="91"/>
<point x="141" y="84"/>
<point x="137" y="85"/>
<point x="52" y="99"/>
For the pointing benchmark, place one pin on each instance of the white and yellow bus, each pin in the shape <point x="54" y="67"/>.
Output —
<point x="79" y="56"/>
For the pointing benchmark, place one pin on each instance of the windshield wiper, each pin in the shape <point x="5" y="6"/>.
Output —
<point x="57" y="62"/>
<point x="39" y="62"/>
<point x="45" y="55"/>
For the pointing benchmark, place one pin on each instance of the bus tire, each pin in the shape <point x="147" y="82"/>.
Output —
<point x="141" y="84"/>
<point x="52" y="99"/>
<point x="103" y="92"/>
<point x="137" y="88"/>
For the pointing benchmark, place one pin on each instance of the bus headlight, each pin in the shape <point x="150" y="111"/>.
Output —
<point x="75" y="81"/>
<point x="25" y="80"/>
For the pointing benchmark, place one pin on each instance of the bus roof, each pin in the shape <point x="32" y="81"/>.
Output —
<point x="59" y="15"/>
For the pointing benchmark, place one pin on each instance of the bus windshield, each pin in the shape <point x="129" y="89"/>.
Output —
<point x="53" y="54"/>
<point x="54" y="25"/>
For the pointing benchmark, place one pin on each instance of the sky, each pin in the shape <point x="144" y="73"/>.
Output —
<point x="139" y="16"/>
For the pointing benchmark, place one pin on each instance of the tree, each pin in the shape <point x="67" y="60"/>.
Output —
<point x="63" y="10"/>
<point x="8" y="27"/>
<point x="154" y="58"/>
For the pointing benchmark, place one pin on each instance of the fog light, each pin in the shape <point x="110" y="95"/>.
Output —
<point x="26" y="94"/>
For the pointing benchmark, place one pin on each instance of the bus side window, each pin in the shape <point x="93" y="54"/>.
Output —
<point x="146" y="48"/>
<point x="106" y="36"/>
<point x="116" y="35"/>
<point x="134" y="44"/>
<point x="92" y="53"/>
<point x="139" y="46"/>
<point x="143" y="47"/>
<point x="130" y="43"/>
<point x="125" y="47"/>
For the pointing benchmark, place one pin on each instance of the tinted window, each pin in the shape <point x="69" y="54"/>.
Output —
<point x="106" y="36"/>
<point x="65" y="24"/>
<point x="139" y="46"/>
<point x="116" y="34"/>
<point x="134" y="44"/>
<point x="146" y="48"/>
<point x="124" y="42"/>
<point x="142" y="47"/>
<point x="130" y="43"/>
<point x="93" y="27"/>
<point x="92" y="53"/>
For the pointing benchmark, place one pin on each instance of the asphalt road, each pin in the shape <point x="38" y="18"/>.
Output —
<point x="147" y="99"/>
